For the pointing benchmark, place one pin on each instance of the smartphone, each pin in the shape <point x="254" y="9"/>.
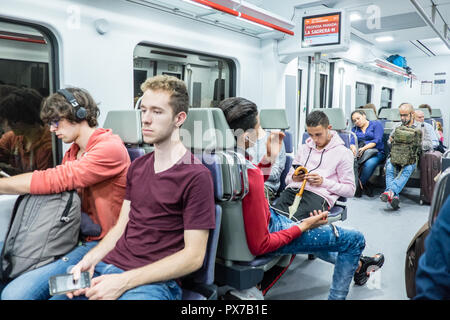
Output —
<point x="64" y="283"/>
<point x="4" y="174"/>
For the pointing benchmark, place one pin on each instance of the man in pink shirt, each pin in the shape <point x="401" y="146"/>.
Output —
<point x="95" y="165"/>
<point x="330" y="170"/>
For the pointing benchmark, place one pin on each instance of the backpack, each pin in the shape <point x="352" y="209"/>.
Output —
<point x="398" y="60"/>
<point x="42" y="229"/>
<point x="406" y="146"/>
<point x="415" y="250"/>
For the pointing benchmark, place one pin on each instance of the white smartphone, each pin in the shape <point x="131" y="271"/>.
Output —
<point x="64" y="283"/>
<point x="4" y="174"/>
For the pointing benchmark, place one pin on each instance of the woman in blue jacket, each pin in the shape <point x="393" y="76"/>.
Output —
<point x="370" y="136"/>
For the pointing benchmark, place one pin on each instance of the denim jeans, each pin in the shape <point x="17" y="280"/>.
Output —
<point x="394" y="181"/>
<point x="343" y="251"/>
<point x="167" y="290"/>
<point x="369" y="166"/>
<point x="33" y="285"/>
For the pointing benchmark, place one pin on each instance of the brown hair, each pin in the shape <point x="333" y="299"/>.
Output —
<point x="56" y="106"/>
<point x="426" y="106"/>
<point x="179" y="98"/>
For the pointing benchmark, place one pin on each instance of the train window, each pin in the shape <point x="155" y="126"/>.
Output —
<point x="363" y="94"/>
<point x="26" y="143"/>
<point x="209" y="79"/>
<point x="386" y="97"/>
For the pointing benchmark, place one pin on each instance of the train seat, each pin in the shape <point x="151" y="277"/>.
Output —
<point x="436" y="115"/>
<point x="127" y="125"/>
<point x="235" y="265"/>
<point x="276" y="119"/>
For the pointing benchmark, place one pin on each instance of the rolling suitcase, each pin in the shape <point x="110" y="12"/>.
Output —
<point x="430" y="166"/>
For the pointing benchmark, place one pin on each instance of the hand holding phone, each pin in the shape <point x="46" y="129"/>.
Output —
<point x="65" y="283"/>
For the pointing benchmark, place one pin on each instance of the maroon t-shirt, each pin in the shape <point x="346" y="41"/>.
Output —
<point x="163" y="205"/>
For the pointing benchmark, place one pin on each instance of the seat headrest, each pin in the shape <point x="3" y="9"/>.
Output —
<point x="206" y="129"/>
<point x="390" y="114"/>
<point x="126" y="124"/>
<point x="273" y="119"/>
<point x="335" y="116"/>
<point x="426" y="112"/>
<point x="436" y="113"/>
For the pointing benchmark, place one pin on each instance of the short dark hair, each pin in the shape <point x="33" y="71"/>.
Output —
<point x="56" y="106"/>
<point x="240" y="113"/>
<point x="317" y="118"/>
<point x="22" y="105"/>
<point x="361" y="112"/>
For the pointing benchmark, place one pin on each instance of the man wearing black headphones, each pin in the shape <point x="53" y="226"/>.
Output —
<point x="95" y="165"/>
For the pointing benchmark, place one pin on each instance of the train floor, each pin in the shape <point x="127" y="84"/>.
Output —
<point x="385" y="230"/>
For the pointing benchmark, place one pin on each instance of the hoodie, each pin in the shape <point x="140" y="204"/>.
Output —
<point x="334" y="163"/>
<point x="99" y="177"/>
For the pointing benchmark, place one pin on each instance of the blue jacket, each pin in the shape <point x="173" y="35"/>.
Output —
<point x="374" y="133"/>
<point x="433" y="273"/>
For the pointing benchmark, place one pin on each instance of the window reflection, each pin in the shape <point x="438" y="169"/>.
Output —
<point x="26" y="143"/>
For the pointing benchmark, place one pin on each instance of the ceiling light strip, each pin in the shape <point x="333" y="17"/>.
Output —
<point x="242" y="15"/>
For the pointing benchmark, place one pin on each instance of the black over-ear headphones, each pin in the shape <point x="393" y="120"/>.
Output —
<point x="80" y="111"/>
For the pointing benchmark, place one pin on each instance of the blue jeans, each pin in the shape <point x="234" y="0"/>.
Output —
<point x="369" y="166"/>
<point x="396" y="182"/>
<point x="343" y="251"/>
<point x="167" y="290"/>
<point x="33" y="285"/>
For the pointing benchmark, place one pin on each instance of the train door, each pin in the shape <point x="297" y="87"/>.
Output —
<point x="209" y="79"/>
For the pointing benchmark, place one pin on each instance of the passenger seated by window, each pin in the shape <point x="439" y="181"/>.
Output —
<point x="167" y="213"/>
<point x="95" y="165"/>
<point x="329" y="177"/>
<point x="433" y="276"/>
<point x="370" y="151"/>
<point x="397" y="175"/>
<point x="258" y="151"/>
<point x="420" y="118"/>
<point x="269" y="232"/>
<point x="27" y="144"/>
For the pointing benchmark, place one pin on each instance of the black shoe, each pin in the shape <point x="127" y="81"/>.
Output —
<point x="368" y="189"/>
<point x="358" y="192"/>
<point x="369" y="264"/>
<point x="395" y="202"/>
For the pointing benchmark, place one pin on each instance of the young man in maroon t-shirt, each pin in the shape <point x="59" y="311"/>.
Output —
<point x="168" y="210"/>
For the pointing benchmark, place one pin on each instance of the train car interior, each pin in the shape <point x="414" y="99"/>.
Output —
<point x="290" y="58"/>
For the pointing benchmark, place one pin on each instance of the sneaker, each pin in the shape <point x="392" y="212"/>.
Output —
<point x="395" y="202"/>
<point x="369" y="264"/>
<point x="386" y="196"/>
<point x="247" y="294"/>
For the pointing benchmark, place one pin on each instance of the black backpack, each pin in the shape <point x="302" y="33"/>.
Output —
<point x="42" y="229"/>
